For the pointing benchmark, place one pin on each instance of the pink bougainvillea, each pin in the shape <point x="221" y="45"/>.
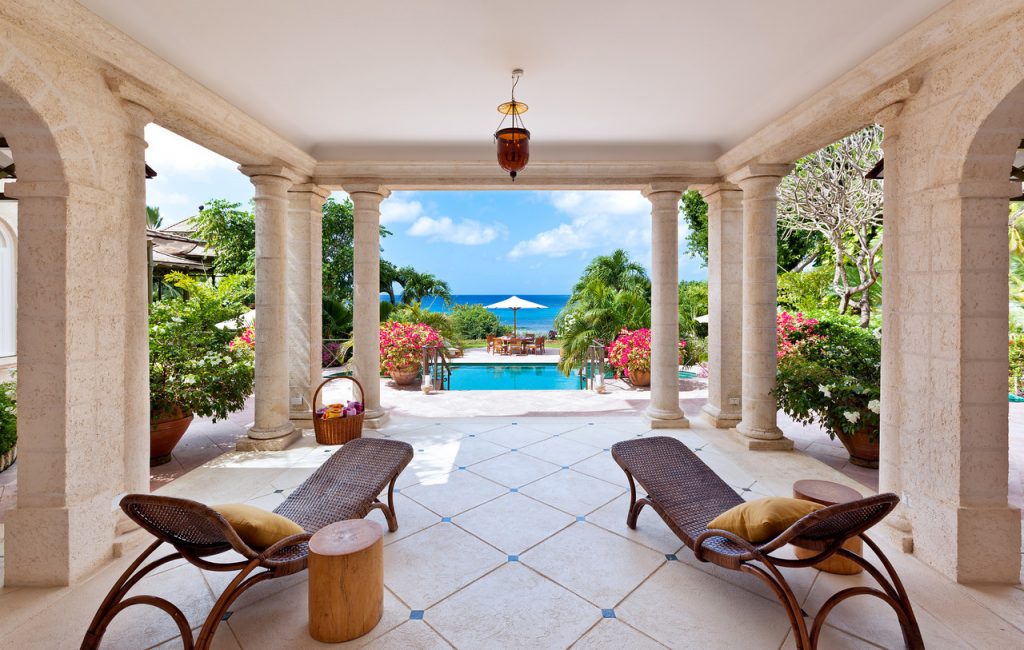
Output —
<point x="790" y="329"/>
<point x="401" y="344"/>
<point x="631" y="351"/>
<point x="247" y="339"/>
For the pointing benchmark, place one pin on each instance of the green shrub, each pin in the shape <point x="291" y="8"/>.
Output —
<point x="808" y="291"/>
<point x="475" y="322"/>
<point x="693" y="303"/>
<point x="832" y="376"/>
<point x="8" y="417"/>
<point x="1017" y="366"/>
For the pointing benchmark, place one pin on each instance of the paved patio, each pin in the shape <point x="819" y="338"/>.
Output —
<point x="512" y="534"/>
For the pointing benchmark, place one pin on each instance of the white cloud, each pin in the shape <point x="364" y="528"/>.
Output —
<point x="598" y="220"/>
<point x="467" y="232"/>
<point x="162" y="198"/>
<point x="397" y="210"/>
<point x="169" y="152"/>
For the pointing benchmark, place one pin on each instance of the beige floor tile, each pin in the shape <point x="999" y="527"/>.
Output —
<point x="602" y="466"/>
<point x="223" y="484"/>
<point x="612" y="634"/>
<point x="512" y="607"/>
<point x="557" y="425"/>
<point x="476" y="426"/>
<point x="833" y="639"/>
<point x="572" y="492"/>
<point x="412" y="518"/>
<point x="602" y="436"/>
<point x="219" y="581"/>
<point x="515" y="436"/>
<point x="726" y="469"/>
<point x="450" y="494"/>
<point x="560" y="451"/>
<point x="651" y="531"/>
<point x="283" y="622"/>
<point x="223" y="639"/>
<point x="432" y="564"/>
<point x="513" y="522"/>
<point x="411" y="635"/>
<point x="514" y="469"/>
<point x="444" y="457"/>
<point x="681" y="606"/>
<point x="593" y="563"/>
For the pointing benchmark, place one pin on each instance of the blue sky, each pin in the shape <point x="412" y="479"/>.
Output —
<point x="521" y="242"/>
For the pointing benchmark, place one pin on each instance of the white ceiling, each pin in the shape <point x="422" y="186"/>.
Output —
<point x="376" y="80"/>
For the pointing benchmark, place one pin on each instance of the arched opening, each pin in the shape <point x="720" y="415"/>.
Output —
<point x="8" y="285"/>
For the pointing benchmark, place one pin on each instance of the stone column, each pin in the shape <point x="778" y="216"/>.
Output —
<point x="272" y="430"/>
<point x="725" y="305"/>
<point x="136" y="362"/>
<point x="664" y="411"/>
<point x="758" y="423"/>
<point x="889" y="453"/>
<point x="366" y="201"/>
<point x="305" y="289"/>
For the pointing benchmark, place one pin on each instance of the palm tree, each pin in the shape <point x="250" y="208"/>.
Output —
<point x="388" y="278"/>
<point x="597" y="312"/>
<point x="617" y="271"/>
<point x="153" y="219"/>
<point x="416" y="286"/>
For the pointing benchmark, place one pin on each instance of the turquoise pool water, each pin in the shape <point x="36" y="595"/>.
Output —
<point x="511" y="377"/>
<point x="517" y="377"/>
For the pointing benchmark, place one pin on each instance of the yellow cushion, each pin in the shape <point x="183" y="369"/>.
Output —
<point x="763" y="519"/>
<point x="257" y="527"/>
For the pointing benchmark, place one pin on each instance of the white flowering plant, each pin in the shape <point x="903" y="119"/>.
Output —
<point x="833" y="379"/>
<point x="193" y="367"/>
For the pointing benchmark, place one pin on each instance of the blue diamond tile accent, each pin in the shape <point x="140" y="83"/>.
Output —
<point x="513" y="489"/>
<point x="607" y="449"/>
<point x="745" y="489"/>
<point x="446" y="520"/>
<point x="462" y="467"/>
<point x="590" y="424"/>
<point x="671" y="557"/>
<point x="416" y="615"/>
<point x="278" y="491"/>
<point x="398" y="490"/>
<point x="472" y="435"/>
<point x="513" y="558"/>
<point x="226" y="616"/>
<point x="608" y="613"/>
<point x="514" y="423"/>
<point x="581" y="518"/>
<point x="514" y="449"/>
<point x="565" y="467"/>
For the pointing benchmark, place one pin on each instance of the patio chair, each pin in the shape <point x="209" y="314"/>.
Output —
<point x="536" y="346"/>
<point x="344" y="487"/>
<point x="687" y="495"/>
<point x="491" y="345"/>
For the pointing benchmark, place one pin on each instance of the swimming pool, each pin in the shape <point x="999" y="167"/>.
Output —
<point x="511" y="377"/>
<point x="518" y="377"/>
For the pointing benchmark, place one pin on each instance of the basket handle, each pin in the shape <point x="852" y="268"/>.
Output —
<point x="316" y="394"/>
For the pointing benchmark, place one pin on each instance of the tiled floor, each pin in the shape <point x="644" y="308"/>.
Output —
<point x="512" y="535"/>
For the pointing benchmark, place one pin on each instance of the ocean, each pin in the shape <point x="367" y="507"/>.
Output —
<point x="538" y="321"/>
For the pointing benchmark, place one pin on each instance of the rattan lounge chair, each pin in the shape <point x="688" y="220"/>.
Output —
<point x="688" y="494"/>
<point x="344" y="487"/>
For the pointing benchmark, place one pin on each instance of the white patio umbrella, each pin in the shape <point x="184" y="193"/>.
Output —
<point x="515" y="303"/>
<point x="703" y="319"/>
<point x="247" y="320"/>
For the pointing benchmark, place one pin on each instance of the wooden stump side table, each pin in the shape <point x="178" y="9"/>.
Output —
<point x="346" y="580"/>
<point x="828" y="493"/>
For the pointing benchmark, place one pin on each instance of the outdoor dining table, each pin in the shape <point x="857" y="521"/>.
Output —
<point x="523" y="342"/>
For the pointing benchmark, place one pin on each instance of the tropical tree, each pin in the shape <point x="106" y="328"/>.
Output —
<point x="231" y="232"/>
<point x="153" y="219"/>
<point x="617" y="271"/>
<point x="416" y="286"/>
<point x="828" y="193"/>
<point x="597" y="312"/>
<point x="693" y="303"/>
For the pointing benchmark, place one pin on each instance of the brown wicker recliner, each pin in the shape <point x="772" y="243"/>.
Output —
<point x="344" y="487"/>
<point x="687" y="494"/>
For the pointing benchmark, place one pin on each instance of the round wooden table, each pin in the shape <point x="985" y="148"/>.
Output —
<point x="828" y="493"/>
<point x="346" y="580"/>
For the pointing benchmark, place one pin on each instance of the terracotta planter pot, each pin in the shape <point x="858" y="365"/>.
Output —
<point x="640" y="378"/>
<point x="164" y="434"/>
<point x="405" y="376"/>
<point x="8" y="457"/>
<point x="862" y="446"/>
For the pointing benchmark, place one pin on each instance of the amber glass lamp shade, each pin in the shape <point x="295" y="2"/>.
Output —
<point x="513" y="149"/>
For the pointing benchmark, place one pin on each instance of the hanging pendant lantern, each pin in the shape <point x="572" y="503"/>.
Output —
<point x="513" y="141"/>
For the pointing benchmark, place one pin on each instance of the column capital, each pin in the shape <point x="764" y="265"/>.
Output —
<point x="707" y="191"/>
<point x="758" y="170"/>
<point x="138" y="115"/>
<point x="887" y="115"/>
<point x="367" y="187"/>
<point x="658" y="187"/>
<point x="311" y="188"/>
<point x="261" y="172"/>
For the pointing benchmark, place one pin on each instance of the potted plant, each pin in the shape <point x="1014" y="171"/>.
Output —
<point x="195" y="367"/>
<point x="830" y="374"/>
<point x="630" y="355"/>
<point x="401" y="349"/>
<point x="8" y="425"/>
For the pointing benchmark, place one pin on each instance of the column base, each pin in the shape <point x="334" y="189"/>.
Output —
<point x="781" y="443"/>
<point x="375" y="419"/>
<point x="666" y="419"/>
<point x="57" y="546"/>
<point x="718" y="418"/>
<point x="269" y="444"/>
<point x="301" y="418"/>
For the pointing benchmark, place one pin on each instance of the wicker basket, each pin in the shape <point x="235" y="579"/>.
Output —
<point x="337" y="431"/>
